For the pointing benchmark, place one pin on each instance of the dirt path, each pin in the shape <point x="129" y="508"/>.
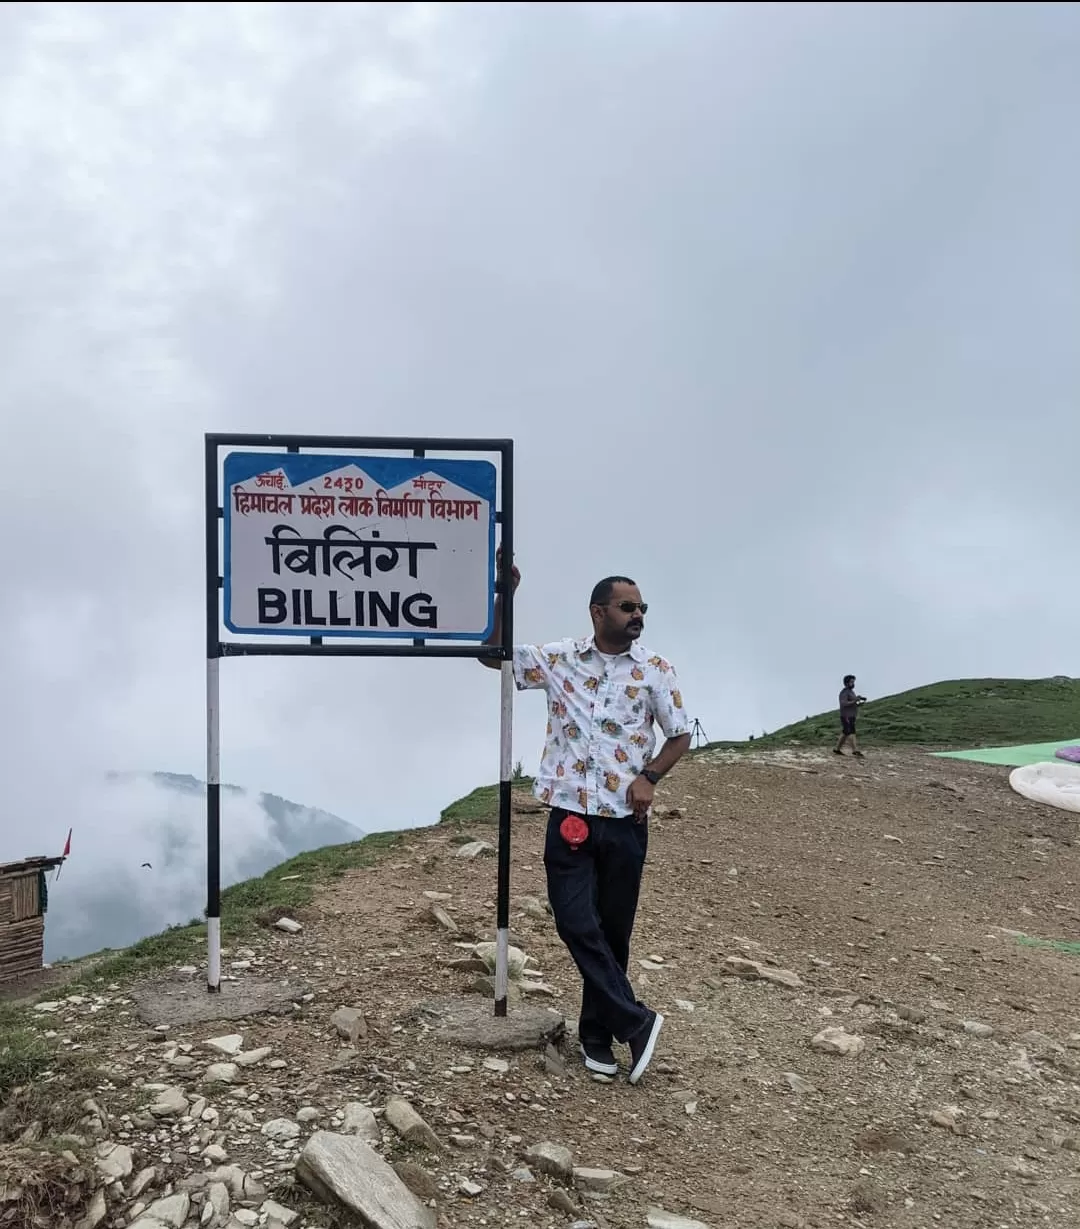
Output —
<point x="892" y="887"/>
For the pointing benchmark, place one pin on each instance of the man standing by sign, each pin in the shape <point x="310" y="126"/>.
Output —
<point x="598" y="773"/>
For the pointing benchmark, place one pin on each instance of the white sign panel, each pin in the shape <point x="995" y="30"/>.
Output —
<point x="359" y="546"/>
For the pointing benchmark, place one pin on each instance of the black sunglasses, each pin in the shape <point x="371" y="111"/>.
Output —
<point x="630" y="607"/>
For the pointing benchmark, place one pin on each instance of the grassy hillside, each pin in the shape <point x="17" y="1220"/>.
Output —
<point x="953" y="716"/>
<point x="481" y="806"/>
<point x="950" y="716"/>
<point x="245" y="907"/>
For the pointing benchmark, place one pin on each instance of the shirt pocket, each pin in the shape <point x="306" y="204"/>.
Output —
<point x="628" y="706"/>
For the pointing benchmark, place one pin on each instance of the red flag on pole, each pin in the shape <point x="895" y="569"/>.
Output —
<point x="67" y="850"/>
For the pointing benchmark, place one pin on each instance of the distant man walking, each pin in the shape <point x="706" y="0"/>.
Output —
<point x="598" y="773"/>
<point x="849" y="711"/>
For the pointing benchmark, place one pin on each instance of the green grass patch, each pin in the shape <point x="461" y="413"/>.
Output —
<point x="43" y="1087"/>
<point x="40" y="1084"/>
<point x="482" y="805"/>
<point x="479" y="807"/>
<point x="956" y="715"/>
<point x="1067" y="947"/>
<point x="245" y="908"/>
<point x="24" y="1056"/>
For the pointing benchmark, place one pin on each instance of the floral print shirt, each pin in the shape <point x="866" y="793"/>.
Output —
<point x="602" y="713"/>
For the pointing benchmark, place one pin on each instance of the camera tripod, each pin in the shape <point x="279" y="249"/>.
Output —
<point x="697" y="734"/>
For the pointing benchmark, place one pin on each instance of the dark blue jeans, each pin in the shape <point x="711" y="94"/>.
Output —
<point x="593" y="892"/>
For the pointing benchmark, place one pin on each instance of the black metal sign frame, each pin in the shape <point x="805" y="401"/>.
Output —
<point x="315" y="646"/>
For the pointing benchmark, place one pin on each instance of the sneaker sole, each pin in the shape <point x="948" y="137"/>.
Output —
<point x="599" y="1068"/>
<point x="647" y="1053"/>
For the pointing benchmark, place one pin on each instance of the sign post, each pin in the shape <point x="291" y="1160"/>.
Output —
<point x="326" y="546"/>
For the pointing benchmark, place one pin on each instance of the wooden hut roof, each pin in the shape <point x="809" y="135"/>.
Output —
<point x="29" y="865"/>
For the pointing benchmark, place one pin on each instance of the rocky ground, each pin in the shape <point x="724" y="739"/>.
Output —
<point x="862" y="1029"/>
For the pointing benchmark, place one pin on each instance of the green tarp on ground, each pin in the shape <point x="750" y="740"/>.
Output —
<point x="1013" y="757"/>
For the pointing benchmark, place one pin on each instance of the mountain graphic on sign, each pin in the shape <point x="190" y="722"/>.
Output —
<point x="478" y="477"/>
<point x="353" y="479"/>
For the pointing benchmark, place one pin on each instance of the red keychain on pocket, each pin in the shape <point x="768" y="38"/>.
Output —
<point x="574" y="831"/>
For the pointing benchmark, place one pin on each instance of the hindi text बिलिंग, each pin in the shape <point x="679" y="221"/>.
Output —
<point x="361" y="608"/>
<point x="350" y="552"/>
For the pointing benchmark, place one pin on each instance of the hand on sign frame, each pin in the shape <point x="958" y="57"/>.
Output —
<point x="514" y="573"/>
<point x="640" y="796"/>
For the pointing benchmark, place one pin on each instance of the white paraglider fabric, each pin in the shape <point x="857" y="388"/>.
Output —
<point x="1056" y="784"/>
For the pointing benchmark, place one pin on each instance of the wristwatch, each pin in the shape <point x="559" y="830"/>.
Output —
<point x="652" y="777"/>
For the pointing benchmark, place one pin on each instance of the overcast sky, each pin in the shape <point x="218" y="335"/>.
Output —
<point x="779" y="304"/>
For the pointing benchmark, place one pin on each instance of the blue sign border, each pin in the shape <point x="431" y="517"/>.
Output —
<point x="477" y="477"/>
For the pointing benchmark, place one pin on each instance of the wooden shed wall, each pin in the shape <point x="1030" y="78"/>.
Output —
<point x="22" y="946"/>
<point x="20" y="896"/>
<point x="25" y="895"/>
<point x="22" y="925"/>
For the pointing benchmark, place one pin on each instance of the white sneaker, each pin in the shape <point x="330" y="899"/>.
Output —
<point x="600" y="1060"/>
<point x="642" y="1045"/>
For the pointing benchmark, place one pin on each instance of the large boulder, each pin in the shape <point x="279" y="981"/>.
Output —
<point x="342" y="1170"/>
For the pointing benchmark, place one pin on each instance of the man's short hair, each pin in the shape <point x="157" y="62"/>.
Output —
<point x="603" y="589"/>
<point x="849" y="679"/>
